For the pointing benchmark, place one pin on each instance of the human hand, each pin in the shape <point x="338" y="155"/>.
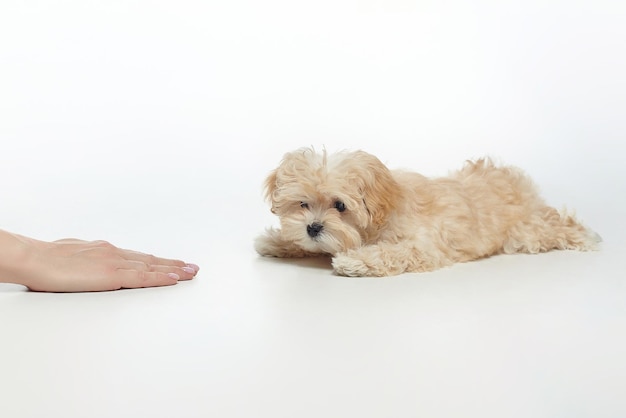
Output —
<point x="72" y="265"/>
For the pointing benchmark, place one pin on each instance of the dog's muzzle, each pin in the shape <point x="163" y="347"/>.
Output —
<point x="314" y="229"/>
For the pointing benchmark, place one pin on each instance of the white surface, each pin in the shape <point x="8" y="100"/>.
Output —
<point x="153" y="124"/>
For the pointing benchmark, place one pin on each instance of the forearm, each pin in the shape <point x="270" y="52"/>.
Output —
<point x="15" y="252"/>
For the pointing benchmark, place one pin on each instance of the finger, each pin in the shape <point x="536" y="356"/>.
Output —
<point x="188" y="271"/>
<point x="184" y="273"/>
<point x="150" y="259"/>
<point x="133" y="265"/>
<point x="194" y="266"/>
<point x="132" y="279"/>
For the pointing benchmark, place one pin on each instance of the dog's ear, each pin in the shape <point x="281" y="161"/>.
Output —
<point x="379" y="189"/>
<point x="293" y="165"/>
<point x="269" y="187"/>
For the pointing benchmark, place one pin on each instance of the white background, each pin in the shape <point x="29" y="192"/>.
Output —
<point x="153" y="123"/>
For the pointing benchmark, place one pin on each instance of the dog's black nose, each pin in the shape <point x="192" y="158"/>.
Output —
<point x="314" y="229"/>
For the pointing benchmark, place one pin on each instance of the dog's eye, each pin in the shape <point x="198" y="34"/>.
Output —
<point x="304" y="205"/>
<point x="340" y="206"/>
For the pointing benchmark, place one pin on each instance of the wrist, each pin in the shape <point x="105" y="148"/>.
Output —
<point x="17" y="256"/>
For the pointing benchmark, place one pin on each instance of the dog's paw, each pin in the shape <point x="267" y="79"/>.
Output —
<point x="265" y="248"/>
<point x="379" y="260"/>
<point x="271" y="244"/>
<point x="346" y="264"/>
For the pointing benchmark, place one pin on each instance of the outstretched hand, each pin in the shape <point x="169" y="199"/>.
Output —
<point x="72" y="265"/>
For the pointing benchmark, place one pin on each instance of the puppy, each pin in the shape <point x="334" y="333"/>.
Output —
<point x="377" y="222"/>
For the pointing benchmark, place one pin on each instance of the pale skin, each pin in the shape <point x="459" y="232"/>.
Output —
<point x="73" y="265"/>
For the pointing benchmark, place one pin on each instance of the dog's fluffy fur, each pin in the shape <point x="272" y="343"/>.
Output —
<point x="377" y="222"/>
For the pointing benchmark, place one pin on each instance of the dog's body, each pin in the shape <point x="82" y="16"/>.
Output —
<point x="377" y="222"/>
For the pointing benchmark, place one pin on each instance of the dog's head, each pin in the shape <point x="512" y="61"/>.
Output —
<point x="330" y="203"/>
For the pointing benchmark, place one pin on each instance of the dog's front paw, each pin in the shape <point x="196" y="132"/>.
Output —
<point x="266" y="244"/>
<point x="273" y="245"/>
<point x="270" y="245"/>
<point x="351" y="265"/>
<point x="345" y="265"/>
<point x="373" y="261"/>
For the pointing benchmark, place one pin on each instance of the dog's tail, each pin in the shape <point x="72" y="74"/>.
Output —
<point x="548" y="230"/>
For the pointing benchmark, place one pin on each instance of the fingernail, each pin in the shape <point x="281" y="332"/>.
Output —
<point x="173" y="276"/>
<point x="188" y="270"/>
<point x="195" y="267"/>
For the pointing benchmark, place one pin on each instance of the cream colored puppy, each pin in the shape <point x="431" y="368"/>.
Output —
<point x="377" y="222"/>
